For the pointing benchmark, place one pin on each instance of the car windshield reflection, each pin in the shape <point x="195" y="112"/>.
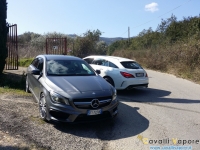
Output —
<point x="68" y="68"/>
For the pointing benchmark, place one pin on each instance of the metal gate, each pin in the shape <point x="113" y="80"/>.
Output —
<point x="56" y="46"/>
<point x="12" y="59"/>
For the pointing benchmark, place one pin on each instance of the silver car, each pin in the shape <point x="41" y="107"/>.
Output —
<point x="68" y="89"/>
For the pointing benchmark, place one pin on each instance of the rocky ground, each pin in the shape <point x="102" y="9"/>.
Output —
<point x="15" y="117"/>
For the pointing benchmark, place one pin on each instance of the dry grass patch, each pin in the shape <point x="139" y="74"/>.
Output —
<point x="180" y="59"/>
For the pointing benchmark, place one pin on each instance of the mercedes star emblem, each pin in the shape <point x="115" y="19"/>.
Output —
<point x="95" y="103"/>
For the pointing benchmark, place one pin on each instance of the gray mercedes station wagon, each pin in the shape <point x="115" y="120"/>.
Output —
<point x="68" y="89"/>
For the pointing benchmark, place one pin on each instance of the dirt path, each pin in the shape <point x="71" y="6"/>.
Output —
<point x="20" y="71"/>
<point x="12" y="122"/>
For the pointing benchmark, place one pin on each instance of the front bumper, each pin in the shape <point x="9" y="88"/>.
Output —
<point x="72" y="114"/>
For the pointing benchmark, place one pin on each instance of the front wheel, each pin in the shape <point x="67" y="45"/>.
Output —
<point x="27" y="85"/>
<point x="43" y="108"/>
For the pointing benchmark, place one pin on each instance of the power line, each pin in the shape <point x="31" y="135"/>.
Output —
<point x="124" y="33"/>
<point x="163" y="14"/>
<point x="158" y="16"/>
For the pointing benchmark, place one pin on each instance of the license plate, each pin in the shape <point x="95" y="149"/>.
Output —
<point x="139" y="74"/>
<point x="94" y="112"/>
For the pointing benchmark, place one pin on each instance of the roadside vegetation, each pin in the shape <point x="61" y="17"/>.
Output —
<point x="13" y="83"/>
<point x="25" y="62"/>
<point x="32" y="44"/>
<point x="174" y="47"/>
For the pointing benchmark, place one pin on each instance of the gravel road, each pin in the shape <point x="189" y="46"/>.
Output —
<point x="169" y="108"/>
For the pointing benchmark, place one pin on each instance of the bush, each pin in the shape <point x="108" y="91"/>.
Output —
<point x="25" y="62"/>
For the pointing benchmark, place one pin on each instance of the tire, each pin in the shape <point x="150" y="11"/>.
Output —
<point x="109" y="80"/>
<point x="27" y="86"/>
<point x="43" y="107"/>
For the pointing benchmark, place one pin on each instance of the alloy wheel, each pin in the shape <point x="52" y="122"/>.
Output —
<point x="27" y="86"/>
<point x="43" y="107"/>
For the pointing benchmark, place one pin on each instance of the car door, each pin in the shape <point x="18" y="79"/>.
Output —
<point x="34" y="79"/>
<point x="114" y="73"/>
<point x="102" y="65"/>
<point x="109" y="69"/>
<point x="30" y="76"/>
<point x="38" y="78"/>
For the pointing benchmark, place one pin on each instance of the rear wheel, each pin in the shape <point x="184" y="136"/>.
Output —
<point x="109" y="80"/>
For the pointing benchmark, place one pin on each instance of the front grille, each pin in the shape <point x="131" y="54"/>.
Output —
<point x="86" y="118"/>
<point x="90" y="99"/>
<point x="86" y="102"/>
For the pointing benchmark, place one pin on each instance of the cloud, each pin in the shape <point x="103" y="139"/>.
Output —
<point x="151" y="7"/>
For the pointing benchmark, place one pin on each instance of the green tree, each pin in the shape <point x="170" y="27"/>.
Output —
<point x="27" y="37"/>
<point x="3" y="33"/>
<point x="88" y="44"/>
<point x="168" y="32"/>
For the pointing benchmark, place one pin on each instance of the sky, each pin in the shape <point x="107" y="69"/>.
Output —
<point x="111" y="17"/>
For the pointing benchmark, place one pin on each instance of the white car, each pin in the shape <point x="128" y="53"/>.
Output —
<point x="120" y="72"/>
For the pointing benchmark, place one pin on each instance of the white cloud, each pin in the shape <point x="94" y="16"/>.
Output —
<point x="151" y="7"/>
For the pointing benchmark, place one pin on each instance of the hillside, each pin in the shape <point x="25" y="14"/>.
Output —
<point x="111" y="40"/>
<point x="105" y="39"/>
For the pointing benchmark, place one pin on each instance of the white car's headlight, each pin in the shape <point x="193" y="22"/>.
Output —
<point x="114" y="96"/>
<point x="57" y="98"/>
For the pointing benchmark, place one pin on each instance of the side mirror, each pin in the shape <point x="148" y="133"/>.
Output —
<point x="98" y="71"/>
<point x="35" y="72"/>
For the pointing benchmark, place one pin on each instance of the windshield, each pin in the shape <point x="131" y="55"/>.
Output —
<point x="131" y="65"/>
<point x="69" y="68"/>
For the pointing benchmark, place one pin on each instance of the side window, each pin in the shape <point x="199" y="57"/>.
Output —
<point x="35" y="62"/>
<point x="105" y="63"/>
<point x="40" y="65"/>
<point x="89" y="60"/>
<point x="98" y="62"/>
<point x="112" y="65"/>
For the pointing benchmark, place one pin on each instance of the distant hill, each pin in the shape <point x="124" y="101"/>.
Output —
<point x="111" y="40"/>
<point x="105" y="39"/>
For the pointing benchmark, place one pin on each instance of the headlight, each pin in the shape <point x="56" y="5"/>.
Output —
<point x="114" y="96"/>
<point x="58" y="98"/>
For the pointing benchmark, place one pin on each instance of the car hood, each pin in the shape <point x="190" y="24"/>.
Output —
<point x="77" y="83"/>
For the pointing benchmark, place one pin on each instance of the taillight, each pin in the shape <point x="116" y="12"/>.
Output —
<point x="146" y="75"/>
<point x="127" y="75"/>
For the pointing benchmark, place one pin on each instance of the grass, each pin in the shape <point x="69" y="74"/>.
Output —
<point x="25" y="62"/>
<point x="37" y="120"/>
<point x="12" y="83"/>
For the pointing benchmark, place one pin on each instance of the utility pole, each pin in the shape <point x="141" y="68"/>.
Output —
<point x="73" y="47"/>
<point x="128" y="35"/>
